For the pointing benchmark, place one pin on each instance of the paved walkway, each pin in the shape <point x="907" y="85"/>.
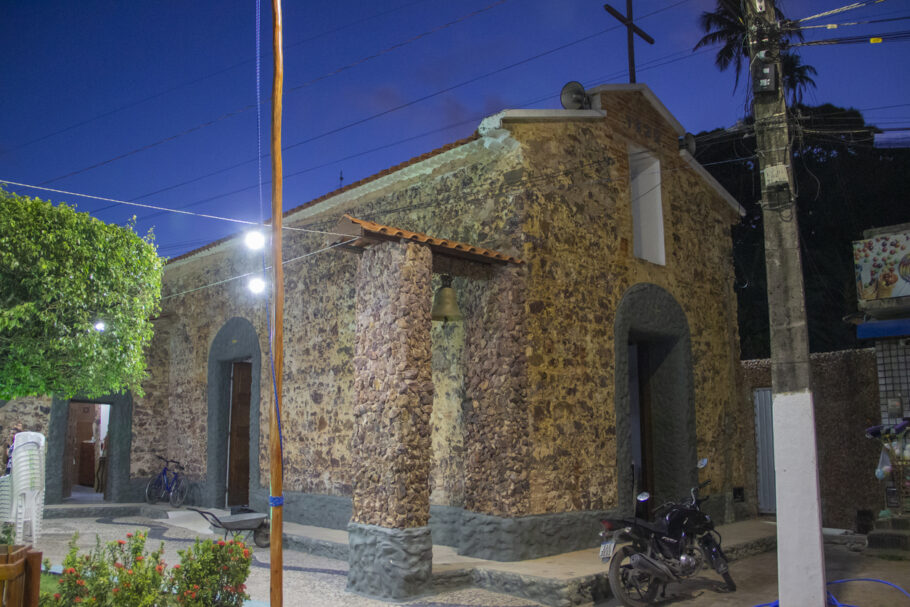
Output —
<point x="576" y="578"/>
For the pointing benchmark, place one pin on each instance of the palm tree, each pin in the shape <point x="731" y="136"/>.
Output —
<point x="797" y="76"/>
<point x="726" y="26"/>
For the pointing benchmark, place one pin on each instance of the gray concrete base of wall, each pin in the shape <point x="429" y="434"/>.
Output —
<point x="388" y="563"/>
<point x="498" y="538"/>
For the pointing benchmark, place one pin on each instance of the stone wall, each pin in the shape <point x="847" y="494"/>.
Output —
<point x="845" y="396"/>
<point x="466" y="193"/>
<point x="579" y="251"/>
<point x="392" y="387"/>
<point x="497" y="444"/>
<point x="33" y="413"/>
<point x="523" y="420"/>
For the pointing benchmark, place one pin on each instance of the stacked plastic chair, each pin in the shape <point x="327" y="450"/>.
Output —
<point x="6" y="498"/>
<point x="27" y="496"/>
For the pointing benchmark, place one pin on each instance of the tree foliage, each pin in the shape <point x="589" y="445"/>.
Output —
<point x="726" y="27"/>
<point x="61" y="273"/>
<point x="844" y="185"/>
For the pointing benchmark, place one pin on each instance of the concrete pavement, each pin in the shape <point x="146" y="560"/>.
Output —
<point x="318" y="577"/>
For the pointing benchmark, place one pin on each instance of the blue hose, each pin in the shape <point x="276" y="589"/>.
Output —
<point x="833" y="600"/>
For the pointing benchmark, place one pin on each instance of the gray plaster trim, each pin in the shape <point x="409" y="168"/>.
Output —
<point x="388" y="563"/>
<point x="119" y="444"/>
<point x="236" y="341"/>
<point x="497" y="538"/>
<point x="494" y="122"/>
<point x="330" y="511"/>
<point x="647" y="314"/>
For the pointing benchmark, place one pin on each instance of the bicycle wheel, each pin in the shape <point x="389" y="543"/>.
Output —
<point x="154" y="490"/>
<point x="178" y="492"/>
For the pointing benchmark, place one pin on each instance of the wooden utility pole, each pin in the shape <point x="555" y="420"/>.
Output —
<point x="632" y="30"/>
<point x="276" y="476"/>
<point x="800" y="546"/>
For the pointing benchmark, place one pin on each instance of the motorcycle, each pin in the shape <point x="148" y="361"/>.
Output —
<point x="675" y="546"/>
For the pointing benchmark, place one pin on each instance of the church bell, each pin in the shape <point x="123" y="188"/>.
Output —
<point x="445" y="305"/>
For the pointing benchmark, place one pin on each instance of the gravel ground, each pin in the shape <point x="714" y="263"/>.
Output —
<point x="308" y="580"/>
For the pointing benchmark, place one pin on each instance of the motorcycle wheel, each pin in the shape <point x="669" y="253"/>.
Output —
<point x="731" y="585"/>
<point x="632" y="588"/>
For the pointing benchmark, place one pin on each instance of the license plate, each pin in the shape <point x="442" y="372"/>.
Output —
<point x="606" y="549"/>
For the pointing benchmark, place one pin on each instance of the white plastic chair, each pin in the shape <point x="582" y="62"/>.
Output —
<point x="28" y="485"/>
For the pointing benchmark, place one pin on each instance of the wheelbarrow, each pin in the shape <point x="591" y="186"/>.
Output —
<point x="250" y="523"/>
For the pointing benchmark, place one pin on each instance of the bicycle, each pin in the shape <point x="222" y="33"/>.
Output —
<point x="168" y="482"/>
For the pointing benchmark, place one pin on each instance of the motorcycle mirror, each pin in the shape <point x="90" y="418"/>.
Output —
<point x="702" y="463"/>
<point x="643" y="496"/>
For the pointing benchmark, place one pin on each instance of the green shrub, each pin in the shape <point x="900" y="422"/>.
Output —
<point x="212" y="574"/>
<point x="123" y="574"/>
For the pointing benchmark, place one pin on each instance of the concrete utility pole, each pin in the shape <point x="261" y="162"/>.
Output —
<point x="800" y="546"/>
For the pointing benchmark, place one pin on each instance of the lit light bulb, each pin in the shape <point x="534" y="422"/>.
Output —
<point x="100" y="326"/>
<point x="254" y="240"/>
<point x="256" y="285"/>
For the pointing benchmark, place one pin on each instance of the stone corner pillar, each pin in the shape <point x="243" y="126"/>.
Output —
<point x="391" y="554"/>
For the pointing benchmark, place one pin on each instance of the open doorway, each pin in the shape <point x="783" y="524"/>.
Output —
<point x="85" y="452"/>
<point x="238" y="468"/>
<point x="655" y="401"/>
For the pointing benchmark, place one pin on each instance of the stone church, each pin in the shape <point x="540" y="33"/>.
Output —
<point x="597" y="355"/>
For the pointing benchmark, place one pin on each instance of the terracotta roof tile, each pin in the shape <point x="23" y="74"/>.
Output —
<point x="367" y="232"/>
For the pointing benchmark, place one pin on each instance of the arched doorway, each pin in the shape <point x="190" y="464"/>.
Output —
<point x="232" y="465"/>
<point x="655" y="397"/>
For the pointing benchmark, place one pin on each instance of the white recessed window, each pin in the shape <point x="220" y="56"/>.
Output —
<point x="647" y="211"/>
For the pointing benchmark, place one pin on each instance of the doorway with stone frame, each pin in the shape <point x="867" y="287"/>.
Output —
<point x="232" y="463"/>
<point x="655" y="397"/>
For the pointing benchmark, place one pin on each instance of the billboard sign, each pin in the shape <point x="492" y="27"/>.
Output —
<point x="882" y="265"/>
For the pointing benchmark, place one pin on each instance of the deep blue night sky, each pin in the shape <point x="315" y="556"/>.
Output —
<point x="82" y="83"/>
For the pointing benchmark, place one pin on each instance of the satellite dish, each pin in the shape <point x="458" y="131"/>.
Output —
<point x="687" y="142"/>
<point x="573" y="97"/>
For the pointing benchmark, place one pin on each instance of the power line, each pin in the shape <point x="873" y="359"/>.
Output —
<point x="202" y="78"/>
<point x="152" y="206"/>
<point x="374" y="116"/>
<point x="253" y="105"/>
<point x="842" y="9"/>
<point x="653" y="64"/>
<point x="891" y="37"/>
<point x="831" y="26"/>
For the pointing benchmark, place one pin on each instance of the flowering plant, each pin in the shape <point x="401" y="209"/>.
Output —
<point x="119" y="574"/>
<point x="123" y="574"/>
<point x="212" y="574"/>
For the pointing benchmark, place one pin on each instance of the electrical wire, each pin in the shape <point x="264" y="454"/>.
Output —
<point x="368" y="118"/>
<point x="877" y="39"/>
<point x="251" y="106"/>
<point x="239" y="276"/>
<point x="842" y="9"/>
<point x="156" y="207"/>
<point x="203" y="78"/>
<point x="831" y="26"/>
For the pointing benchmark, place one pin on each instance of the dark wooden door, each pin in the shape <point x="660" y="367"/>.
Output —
<point x="239" y="439"/>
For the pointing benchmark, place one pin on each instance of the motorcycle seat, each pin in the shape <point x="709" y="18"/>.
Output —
<point x="659" y="526"/>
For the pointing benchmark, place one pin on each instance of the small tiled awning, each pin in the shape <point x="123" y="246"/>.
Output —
<point x="366" y="233"/>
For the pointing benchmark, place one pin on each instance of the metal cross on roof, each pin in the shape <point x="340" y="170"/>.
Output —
<point x="632" y="29"/>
